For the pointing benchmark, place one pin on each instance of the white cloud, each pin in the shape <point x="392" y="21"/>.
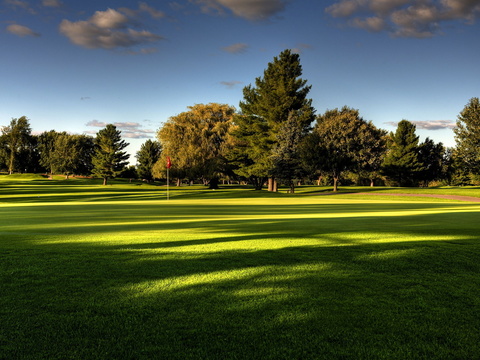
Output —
<point x="157" y="14"/>
<point x="109" y="19"/>
<point x="405" y="18"/>
<point x="20" y="4"/>
<point x="52" y="3"/>
<point x="231" y="84"/>
<point x="106" y="30"/>
<point x="300" y="48"/>
<point x="236" y="48"/>
<point x="429" y="124"/>
<point x="373" y="24"/>
<point x="435" y="124"/>
<point x="21" y="30"/>
<point x="248" y="9"/>
<point x="131" y="130"/>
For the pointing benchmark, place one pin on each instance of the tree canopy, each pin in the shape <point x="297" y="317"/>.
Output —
<point x="402" y="163"/>
<point x="197" y="141"/>
<point x="264" y="110"/>
<point x="342" y="140"/>
<point x="109" y="159"/>
<point x="15" y="140"/>
<point x="467" y="135"/>
<point x="147" y="156"/>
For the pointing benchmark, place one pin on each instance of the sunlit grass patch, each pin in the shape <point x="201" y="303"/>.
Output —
<point x="121" y="273"/>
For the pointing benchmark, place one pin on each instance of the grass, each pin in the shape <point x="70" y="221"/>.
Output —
<point x="93" y="272"/>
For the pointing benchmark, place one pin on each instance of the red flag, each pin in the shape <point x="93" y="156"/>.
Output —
<point x="169" y="163"/>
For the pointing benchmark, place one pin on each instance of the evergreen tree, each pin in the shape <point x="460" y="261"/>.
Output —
<point x="264" y="110"/>
<point x="147" y="156"/>
<point x="402" y="162"/>
<point x="109" y="160"/>
<point x="432" y="158"/>
<point x="467" y="136"/>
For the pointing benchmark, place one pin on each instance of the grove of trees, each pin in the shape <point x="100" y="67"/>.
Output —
<point x="275" y="137"/>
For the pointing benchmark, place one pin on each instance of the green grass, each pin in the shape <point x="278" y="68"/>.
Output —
<point x="118" y="272"/>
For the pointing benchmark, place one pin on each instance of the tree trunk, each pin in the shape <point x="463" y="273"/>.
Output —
<point x="272" y="184"/>
<point x="335" y="183"/>
<point x="372" y="182"/>
<point x="105" y="181"/>
<point x="179" y="181"/>
<point x="319" y="180"/>
<point x="213" y="184"/>
<point x="292" y="187"/>
<point x="257" y="182"/>
<point x="11" y="162"/>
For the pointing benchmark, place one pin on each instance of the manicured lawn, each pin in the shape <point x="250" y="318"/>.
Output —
<point x="118" y="272"/>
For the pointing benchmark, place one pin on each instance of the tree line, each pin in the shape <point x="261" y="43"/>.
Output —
<point x="275" y="137"/>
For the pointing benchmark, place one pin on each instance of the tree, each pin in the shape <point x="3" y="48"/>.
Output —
<point x="16" y="137"/>
<point x="264" y="110"/>
<point x="65" y="153"/>
<point x="46" y="143"/>
<point x="467" y="135"/>
<point x="86" y="150"/>
<point x="109" y="160"/>
<point x="197" y="142"/>
<point x="402" y="162"/>
<point x="147" y="156"/>
<point x="287" y="163"/>
<point x="374" y="147"/>
<point x="432" y="158"/>
<point x="340" y="141"/>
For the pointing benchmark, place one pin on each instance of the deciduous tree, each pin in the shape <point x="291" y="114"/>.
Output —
<point x="16" y="137"/>
<point x="340" y="141"/>
<point x="197" y="142"/>
<point x="147" y="156"/>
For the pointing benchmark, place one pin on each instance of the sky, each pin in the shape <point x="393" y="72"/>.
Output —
<point x="76" y="66"/>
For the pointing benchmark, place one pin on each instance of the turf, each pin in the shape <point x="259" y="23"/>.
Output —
<point x="92" y="272"/>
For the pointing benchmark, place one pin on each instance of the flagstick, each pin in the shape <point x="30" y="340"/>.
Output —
<point x="168" y="195"/>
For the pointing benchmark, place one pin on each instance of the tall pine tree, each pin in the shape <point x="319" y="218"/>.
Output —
<point x="264" y="110"/>
<point x="402" y="163"/>
<point x="109" y="160"/>
<point x="467" y="136"/>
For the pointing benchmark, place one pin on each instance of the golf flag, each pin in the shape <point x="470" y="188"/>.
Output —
<point x="169" y="163"/>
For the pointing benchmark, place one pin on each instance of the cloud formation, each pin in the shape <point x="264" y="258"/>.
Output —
<point x="108" y="29"/>
<point x="52" y="3"/>
<point x="230" y="84"/>
<point x="405" y="18"/>
<point x="236" y="48"/>
<point x="130" y="130"/>
<point x="247" y="9"/>
<point x="20" y="4"/>
<point x="429" y="124"/>
<point x="21" y="30"/>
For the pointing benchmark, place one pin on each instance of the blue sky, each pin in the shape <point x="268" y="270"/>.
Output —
<point x="77" y="65"/>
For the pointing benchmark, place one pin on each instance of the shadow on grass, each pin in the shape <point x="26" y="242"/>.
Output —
<point x="346" y="296"/>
